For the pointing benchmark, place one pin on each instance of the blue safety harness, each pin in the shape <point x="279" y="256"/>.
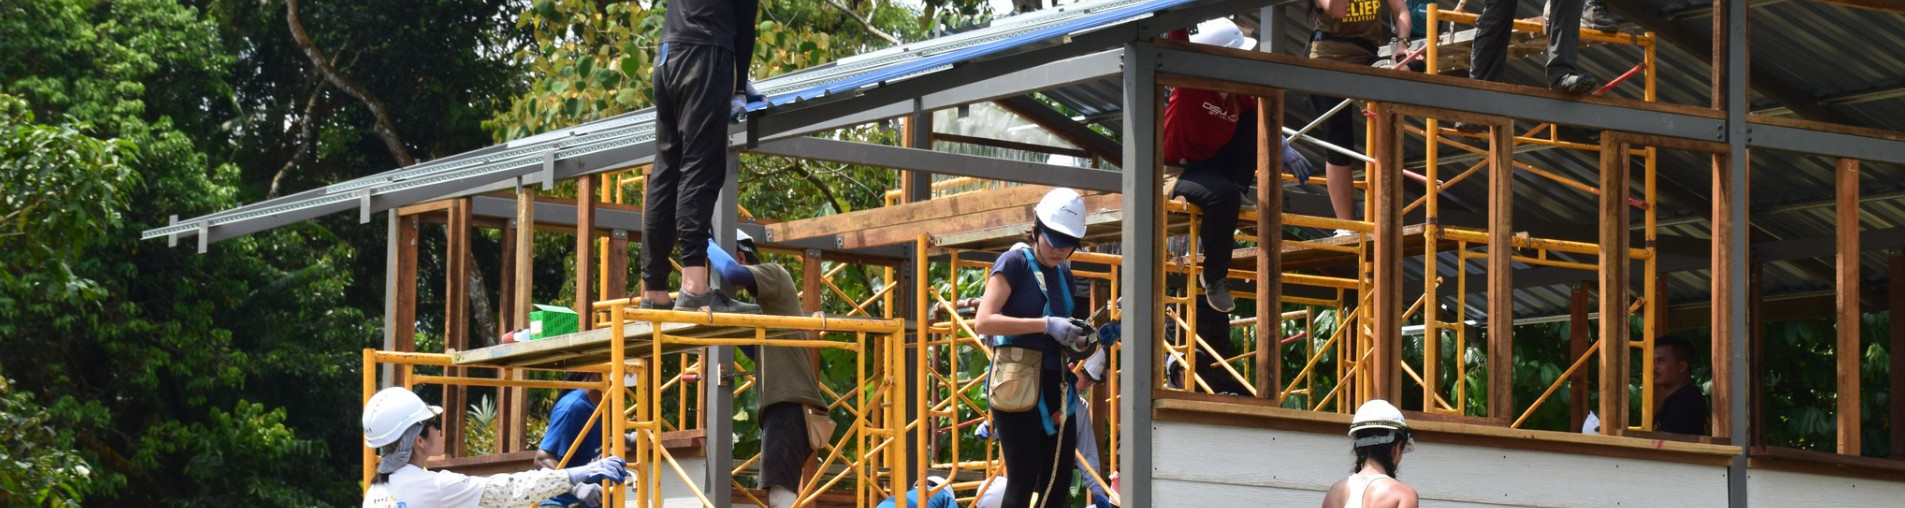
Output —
<point x="1064" y="308"/>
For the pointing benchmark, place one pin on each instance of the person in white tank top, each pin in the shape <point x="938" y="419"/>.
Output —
<point x="1381" y="437"/>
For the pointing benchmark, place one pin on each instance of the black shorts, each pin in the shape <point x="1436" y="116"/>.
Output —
<point x="784" y="449"/>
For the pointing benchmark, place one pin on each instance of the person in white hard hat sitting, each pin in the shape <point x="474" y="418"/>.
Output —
<point x="1381" y="437"/>
<point x="1213" y="135"/>
<point x="404" y="430"/>
<point x="1028" y="304"/>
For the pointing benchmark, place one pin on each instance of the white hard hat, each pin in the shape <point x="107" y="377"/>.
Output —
<point x="1062" y="211"/>
<point x="1222" y="32"/>
<point x="740" y="235"/>
<point x="1380" y="414"/>
<point x="391" y="412"/>
<point x="994" y="496"/>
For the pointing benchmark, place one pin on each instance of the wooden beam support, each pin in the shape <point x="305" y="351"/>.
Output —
<point x="617" y="272"/>
<point x="1269" y="327"/>
<point x="456" y="316"/>
<point x="1386" y="191"/>
<point x="515" y="400"/>
<point x="1895" y="300"/>
<point x="584" y="250"/>
<point x="1579" y="339"/>
<point x="406" y="297"/>
<point x="1501" y="288"/>
<point x="1846" y="350"/>
<point x="1724" y="198"/>
<point x="1891" y="6"/>
<point x="1613" y="269"/>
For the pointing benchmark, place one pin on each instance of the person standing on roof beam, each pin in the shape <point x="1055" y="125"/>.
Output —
<point x="1349" y="31"/>
<point x="700" y="83"/>
<point x="1492" y="29"/>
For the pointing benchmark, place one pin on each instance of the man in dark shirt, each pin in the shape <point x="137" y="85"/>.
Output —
<point x="1683" y="410"/>
<point x="700" y="70"/>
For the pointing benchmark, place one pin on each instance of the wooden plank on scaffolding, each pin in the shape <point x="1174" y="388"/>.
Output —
<point x="1387" y="190"/>
<point x="1895" y="302"/>
<point x="1578" y="342"/>
<point x="1724" y="198"/>
<point x="1269" y="327"/>
<point x="1614" y="232"/>
<point x="1020" y="196"/>
<point x="456" y="315"/>
<point x="1846" y="350"/>
<point x="1501" y="267"/>
<point x="584" y="250"/>
<point x="592" y="347"/>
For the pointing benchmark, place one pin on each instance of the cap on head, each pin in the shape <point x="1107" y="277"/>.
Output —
<point x="391" y="412"/>
<point x="1061" y="217"/>
<point x="1222" y="32"/>
<point x="1380" y="414"/>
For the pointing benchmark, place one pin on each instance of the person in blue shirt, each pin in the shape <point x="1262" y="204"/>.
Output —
<point x="566" y="421"/>
<point x="941" y="498"/>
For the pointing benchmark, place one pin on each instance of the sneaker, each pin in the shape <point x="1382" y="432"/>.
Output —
<point x="1575" y="83"/>
<point x="1471" y="128"/>
<point x="714" y="301"/>
<point x="651" y="304"/>
<point x="1218" y="294"/>
<point x="1595" y="15"/>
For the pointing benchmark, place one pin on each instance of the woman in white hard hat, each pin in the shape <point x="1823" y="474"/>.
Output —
<point x="1381" y="437"/>
<point x="1028" y="304"/>
<point x="404" y="430"/>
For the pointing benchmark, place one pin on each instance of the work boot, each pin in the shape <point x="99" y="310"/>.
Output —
<point x="1575" y="83"/>
<point x="715" y="301"/>
<point x="1597" y="16"/>
<point x="1218" y="294"/>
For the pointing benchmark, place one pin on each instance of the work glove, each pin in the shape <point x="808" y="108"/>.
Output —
<point x="983" y="431"/>
<point x="589" y="493"/>
<point x="613" y="469"/>
<point x="1110" y="333"/>
<point x="1065" y="330"/>
<point x="1295" y="163"/>
<point x="737" y="105"/>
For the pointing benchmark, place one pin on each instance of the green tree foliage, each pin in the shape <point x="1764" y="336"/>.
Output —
<point x="40" y="467"/>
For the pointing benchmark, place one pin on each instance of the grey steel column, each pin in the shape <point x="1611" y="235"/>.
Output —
<point x="1142" y="274"/>
<point x="391" y="250"/>
<point x="920" y="135"/>
<point x="1736" y="136"/>
<point x="716" y="385"/>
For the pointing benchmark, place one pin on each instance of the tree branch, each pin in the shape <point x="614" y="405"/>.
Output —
<point x="302" y="143"/>
<point x="385" y="129"/>
<point x="864" y="23"/>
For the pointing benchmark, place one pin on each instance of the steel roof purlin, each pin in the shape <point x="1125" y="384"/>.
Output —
<point x="875" y="80"/>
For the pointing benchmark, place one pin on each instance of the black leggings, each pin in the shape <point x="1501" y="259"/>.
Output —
<point x="1028" y="450"/>
<point x="692" y="86"/>
<point x="1219" y="198"/>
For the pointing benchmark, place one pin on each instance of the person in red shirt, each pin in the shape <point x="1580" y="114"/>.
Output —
<point x="1213" y="136"/>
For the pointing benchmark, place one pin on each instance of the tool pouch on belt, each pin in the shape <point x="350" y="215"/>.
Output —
<point x="1013" y="386"/>
<point x="819" y="428"/>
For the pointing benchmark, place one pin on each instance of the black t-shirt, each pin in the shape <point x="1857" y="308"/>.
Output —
<point x="1684" y="412"/>
<point x="711" y="23"/>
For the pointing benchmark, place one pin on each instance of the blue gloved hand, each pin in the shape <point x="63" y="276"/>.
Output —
<point x="613" y="469"/>
<point x="737" y="108"/>
<point x="1063" y="329"/>
<point x="1110" y="333"/>
<point x="983" y="431"/>
<point x="1294" y="163"/>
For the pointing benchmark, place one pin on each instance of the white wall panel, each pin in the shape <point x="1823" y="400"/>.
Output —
<point x="1766" y="488"/>
<point x="1206" y="463"/>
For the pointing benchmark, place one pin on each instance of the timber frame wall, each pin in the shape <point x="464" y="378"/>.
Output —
<point x="1725" y="130"/>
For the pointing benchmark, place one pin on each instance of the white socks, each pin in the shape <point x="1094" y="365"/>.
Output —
<point x="780" y="497"/>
